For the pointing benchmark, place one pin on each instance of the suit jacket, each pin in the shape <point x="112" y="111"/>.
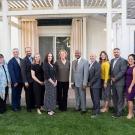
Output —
<point x="15" y="71"/>
<point x="95" y="75"/>
<point x="26" y="70"/>
<point x="80" y="74"/>
<point x="119" y="71"/>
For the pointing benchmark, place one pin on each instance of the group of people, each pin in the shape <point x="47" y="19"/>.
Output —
<point x="47" y="83"/>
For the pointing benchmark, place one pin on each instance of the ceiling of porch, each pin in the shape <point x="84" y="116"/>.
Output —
<point x="70" y="4"/>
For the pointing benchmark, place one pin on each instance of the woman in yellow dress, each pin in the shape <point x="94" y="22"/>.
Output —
<point x="105" y="79"/>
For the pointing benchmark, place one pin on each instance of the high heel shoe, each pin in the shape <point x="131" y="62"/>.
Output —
<point x="38" y="111"/>
<point x="130" y="117"/>
<point x="42" y="109"/>
<point x="103" y="110"/>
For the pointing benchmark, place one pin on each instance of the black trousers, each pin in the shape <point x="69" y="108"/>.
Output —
<point x="62" y="95"/>
<point x="39" y="94"/>
<point x="6" y="93"/>
<point x="29" y="97"/>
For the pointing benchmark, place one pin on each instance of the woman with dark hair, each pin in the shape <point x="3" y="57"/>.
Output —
<point x="50" y="84"/>
<point x="105" y="79"/>
<point x="37" y="74"/>
<point x="62" y="71"/>
<point x="130" y="85"/>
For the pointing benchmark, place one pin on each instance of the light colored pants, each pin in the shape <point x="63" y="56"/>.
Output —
<point x="80" y="96"/>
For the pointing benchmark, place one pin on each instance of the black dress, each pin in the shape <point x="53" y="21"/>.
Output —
<point x="38" y="88"/>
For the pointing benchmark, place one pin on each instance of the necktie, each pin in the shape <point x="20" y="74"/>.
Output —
<point x="76" y="64"/>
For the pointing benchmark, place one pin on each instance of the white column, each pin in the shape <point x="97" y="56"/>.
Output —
<point x="109" y="28"/>
<point x="19" y="38"/>
<point x="54" y="48"/>
<point x="30" y="4"/>
<point x="55" y="4"/>
<point x="5" y="47"/>
<point x="124" y="46"/>
<point x="82" y="4"/>
<point x="84" y="38"/>
<point x="115" y="35"/>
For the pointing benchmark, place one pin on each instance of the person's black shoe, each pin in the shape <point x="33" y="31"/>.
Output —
<point x="117" y="115"/>
<point x="83" y="112"/>
<point x="77" y="110"/>
<point x="15" y="109"/>
<point x="19" y="108"/>
<point x="29" y="110"/>
<point x="64" y="110"/>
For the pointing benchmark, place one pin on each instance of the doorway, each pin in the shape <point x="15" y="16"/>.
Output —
<point x="54" y="44"/>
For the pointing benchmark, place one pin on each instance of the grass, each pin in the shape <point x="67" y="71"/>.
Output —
<point x="63" y="123"/>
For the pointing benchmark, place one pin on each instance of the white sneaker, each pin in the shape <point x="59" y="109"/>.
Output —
<point x="53" y="112"/>
<point x="50" y="113"/>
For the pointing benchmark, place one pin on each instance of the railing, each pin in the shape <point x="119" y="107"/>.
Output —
<point x="36" y="7"/>
<point x="48" y="4"/>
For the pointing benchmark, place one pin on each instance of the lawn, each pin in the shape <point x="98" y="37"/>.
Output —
<point x="63" y="123"/>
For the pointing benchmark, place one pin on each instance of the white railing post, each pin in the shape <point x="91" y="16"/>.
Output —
<point x="55" y="4"/>
<point x="29" y="4"/>
<point x="82" y="4"/>
<point x="84" y="38"/>
<point x="109" y="28"/>
<point x="124" y="29"/>
<point x="5" y="48"/>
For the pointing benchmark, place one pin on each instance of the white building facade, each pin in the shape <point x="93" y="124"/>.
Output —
<point x="94" y="25"/>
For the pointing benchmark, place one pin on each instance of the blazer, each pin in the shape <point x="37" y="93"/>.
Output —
<point x="119" y="71"/>
<point x="79" y="76"/>
<point x="15" y="71"/>
<point x="26" y="70"/>
<point x="95" y="75"/>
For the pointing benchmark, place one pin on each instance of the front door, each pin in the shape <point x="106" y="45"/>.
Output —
<point x="54" y="45"/>
<point x="45" y="46"/>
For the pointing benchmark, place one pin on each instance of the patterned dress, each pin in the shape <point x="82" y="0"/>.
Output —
<point x="50" y="90"/>
<point x="129" y="78"/>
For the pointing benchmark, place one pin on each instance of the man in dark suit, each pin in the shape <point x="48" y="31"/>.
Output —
<point x="16" y="79"/>
<point x="118" y="69"/>
<point x="27" y="79"/>
<point x="95" y="84"/>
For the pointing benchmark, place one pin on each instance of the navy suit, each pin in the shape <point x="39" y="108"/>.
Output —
<point x="16" y="77"/>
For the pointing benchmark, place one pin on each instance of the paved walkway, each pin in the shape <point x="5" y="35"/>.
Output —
<point x="71" y="98"/>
